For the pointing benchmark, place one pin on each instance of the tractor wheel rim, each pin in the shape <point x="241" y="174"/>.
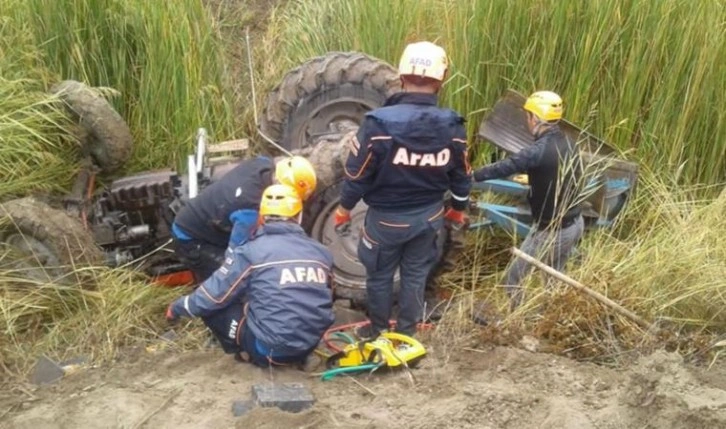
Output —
<point x="349" y="271"/>
<point x="332" y="118"/>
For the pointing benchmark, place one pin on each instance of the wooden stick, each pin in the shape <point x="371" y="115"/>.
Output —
<point x="362" y="386"/>
<point x="156" y="410"/>
<point x="586" y="290"/>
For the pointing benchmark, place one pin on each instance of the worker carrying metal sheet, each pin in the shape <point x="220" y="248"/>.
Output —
<point x="555" y="173"/>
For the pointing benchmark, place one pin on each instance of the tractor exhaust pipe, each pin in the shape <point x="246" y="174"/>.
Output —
<point x="192" y="173"/>
<point x="201" y="148"/>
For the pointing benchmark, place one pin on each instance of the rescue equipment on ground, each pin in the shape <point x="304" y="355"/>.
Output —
<point x="390" y="350"/>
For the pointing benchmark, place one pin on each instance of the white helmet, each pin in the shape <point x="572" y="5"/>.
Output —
<point x="424" y="59"/>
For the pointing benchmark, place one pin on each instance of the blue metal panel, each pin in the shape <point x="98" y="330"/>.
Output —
<point x="505" y="218"/>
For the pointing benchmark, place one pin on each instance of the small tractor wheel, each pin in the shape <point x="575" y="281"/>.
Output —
<point x="43" y="243"/>
<point x="325" y="94"/>
<point x="105" y="135"/>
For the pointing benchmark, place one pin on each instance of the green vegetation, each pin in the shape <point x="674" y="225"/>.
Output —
<point x="165" y="60"/>
<point x="645" y="76"/>
<point x="648" y="77"/>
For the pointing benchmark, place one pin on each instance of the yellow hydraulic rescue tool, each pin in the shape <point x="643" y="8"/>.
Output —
<point x="390" y="349"/>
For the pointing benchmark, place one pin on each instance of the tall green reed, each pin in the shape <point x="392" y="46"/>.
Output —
<point x="165" y="58"/>
<point x="648" y="77"/>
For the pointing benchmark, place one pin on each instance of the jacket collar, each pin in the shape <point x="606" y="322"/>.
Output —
<point x="277" y="228"/>
<point x="552" y="129"/>
<point x="412" y="98"/>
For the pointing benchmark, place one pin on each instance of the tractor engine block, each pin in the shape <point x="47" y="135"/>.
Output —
<point x="132" y="216"/>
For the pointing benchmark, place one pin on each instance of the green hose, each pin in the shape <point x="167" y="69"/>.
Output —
<point x="345" y="337"/>
<point x="329" y="374"/>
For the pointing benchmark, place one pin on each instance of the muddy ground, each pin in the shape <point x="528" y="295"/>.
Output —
<point x="454" y="387"/>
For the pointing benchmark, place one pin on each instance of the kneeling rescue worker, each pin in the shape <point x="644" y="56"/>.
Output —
<point x="405" y="157"/>
<point x="554" y="169"/>
<point x="225" y="212"/>
<point x="272" y="300"/>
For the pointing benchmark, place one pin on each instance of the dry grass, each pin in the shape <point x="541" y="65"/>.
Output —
<point x="97" y="314"/>
<point x="664" y="261"/>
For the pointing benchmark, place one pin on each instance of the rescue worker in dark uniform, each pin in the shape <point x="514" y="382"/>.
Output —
<point x="224" y="213"/>
<point x="404" y="158"/>
<point x="554" y="169"/>
<point x="272" y="300"/>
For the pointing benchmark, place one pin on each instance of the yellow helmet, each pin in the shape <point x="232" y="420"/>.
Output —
<point x="297" y="172"/>
<point x="280" y="200"/>
<point x="424" y="59"/>
<point x="546" y="105"/>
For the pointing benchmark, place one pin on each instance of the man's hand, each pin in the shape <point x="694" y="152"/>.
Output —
<point x="170" y="315"/>
<point x="456" y="219"/>
<point x="342" y="221"/>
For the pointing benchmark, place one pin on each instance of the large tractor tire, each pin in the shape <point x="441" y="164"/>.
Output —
<point x="349" y="273"/>
<point x="324" y="94"/>
<point x="43" y="243"/>
<point x="310" y="112"/>
<point x="105" y="135"/>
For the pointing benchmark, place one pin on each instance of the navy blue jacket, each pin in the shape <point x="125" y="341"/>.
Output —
<point x="284" y="277"/>
<point x="226" y="211"/>
<point x="554" y="169"/>
<point x="408" y="153"/>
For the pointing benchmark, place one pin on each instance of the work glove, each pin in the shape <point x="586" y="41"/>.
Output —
<point x="342" y="221"/>
<point x="456" y="219"/>
<point x="171" y="315"/>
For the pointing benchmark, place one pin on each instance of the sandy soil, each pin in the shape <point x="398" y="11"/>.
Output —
<point x="495" y="387"/>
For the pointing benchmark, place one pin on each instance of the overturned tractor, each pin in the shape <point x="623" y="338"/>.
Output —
<point x="128" y="222"/>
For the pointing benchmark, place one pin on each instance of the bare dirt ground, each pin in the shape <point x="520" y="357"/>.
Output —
<point x="493" y="387"/>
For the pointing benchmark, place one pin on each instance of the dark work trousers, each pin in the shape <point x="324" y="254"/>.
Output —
<point x="552" y="246"/>
<point x="200" y="257"/>
<point x="229" y="327"/>
<point x="393" y="240"/>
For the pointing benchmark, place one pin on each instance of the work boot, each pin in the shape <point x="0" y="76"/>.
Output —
<point x="482" y="314"/>
<point x="212" y="342"/>
<point x="434" y="309"/>
<point x="311" y="363"/>
<point x="368" y="333"/>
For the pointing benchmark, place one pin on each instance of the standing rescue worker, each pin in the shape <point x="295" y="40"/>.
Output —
<point x="554" y="171"/>
<point x="272" y="300"/>
<point x="405" y="157"/>
<point x="224" y="213"/>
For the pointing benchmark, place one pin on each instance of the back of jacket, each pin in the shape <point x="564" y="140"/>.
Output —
<point x="408" y="154"/>
<point x="289" y="294"/>
<point x="555" y="180"/>
<point x="207" y="217"/>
